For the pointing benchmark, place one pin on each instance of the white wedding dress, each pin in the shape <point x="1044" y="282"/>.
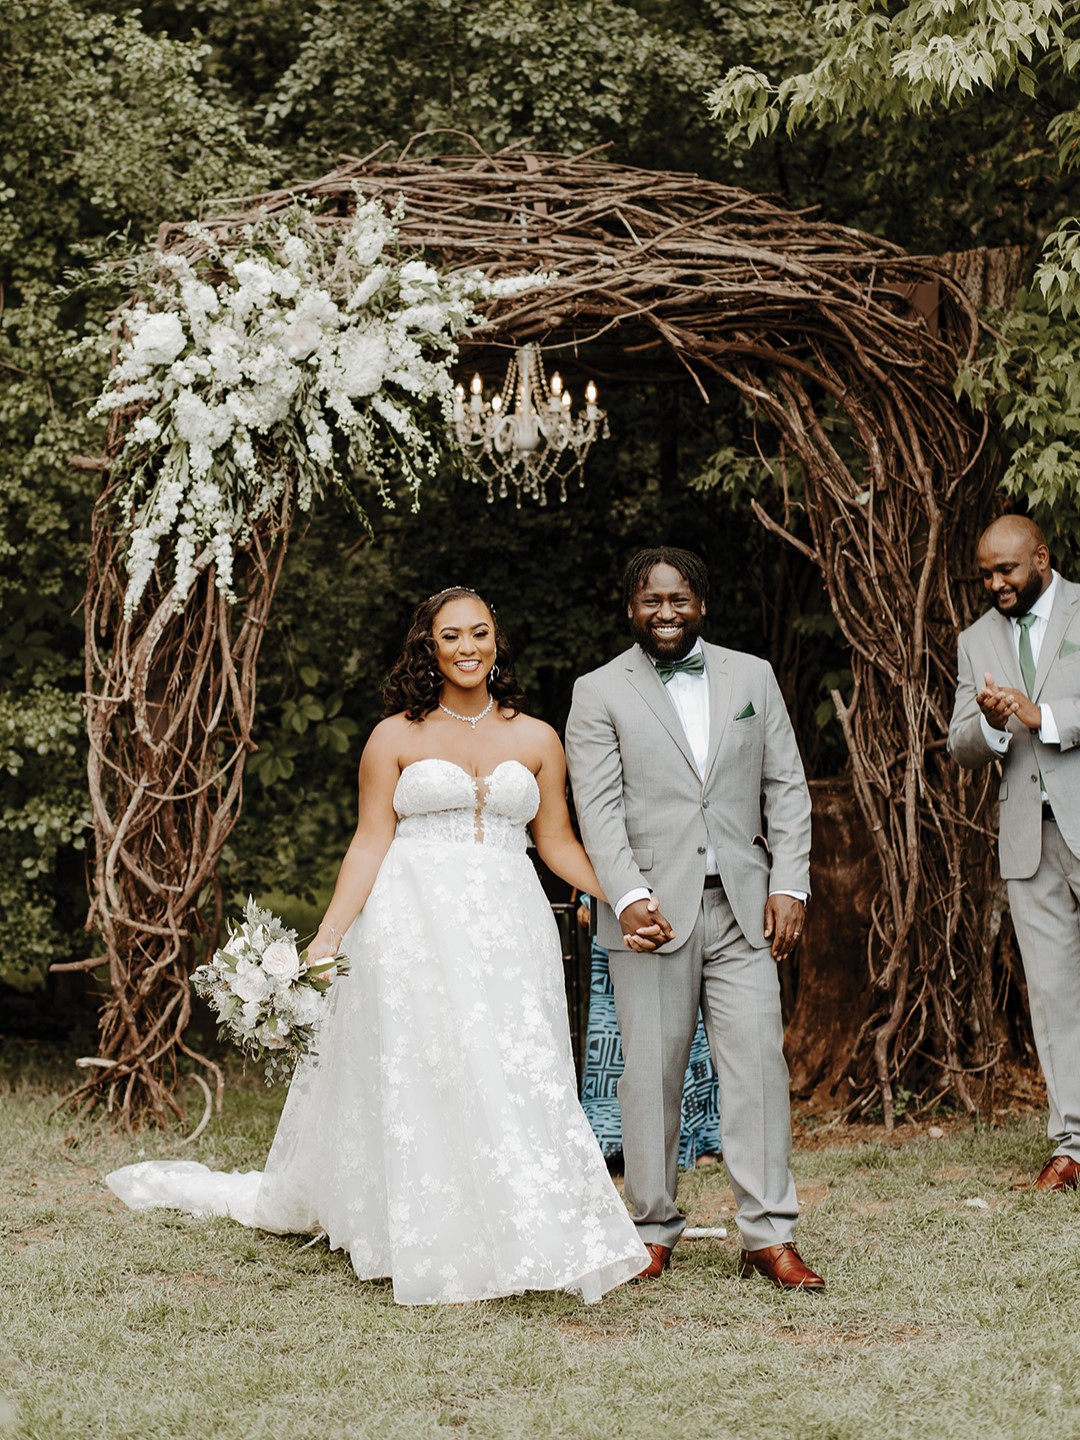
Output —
<point x="437" y="1137"/>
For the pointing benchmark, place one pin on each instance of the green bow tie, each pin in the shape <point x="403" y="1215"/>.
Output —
<point x="692" y="665"/>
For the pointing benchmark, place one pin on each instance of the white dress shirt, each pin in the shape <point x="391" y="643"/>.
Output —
<point x="1000" y="740"/>
<point x="690" y="696"/>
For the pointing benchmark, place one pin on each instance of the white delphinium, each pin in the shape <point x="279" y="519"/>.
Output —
<point x="302" y="356"/>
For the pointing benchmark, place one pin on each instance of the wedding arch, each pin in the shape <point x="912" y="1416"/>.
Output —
<point x="842" y="346"/>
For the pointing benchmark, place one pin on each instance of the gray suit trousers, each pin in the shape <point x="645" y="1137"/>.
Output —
<point x="656" y="998"/>
<point x="1046" y="913"/>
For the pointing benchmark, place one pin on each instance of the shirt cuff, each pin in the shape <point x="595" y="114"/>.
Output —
<point x="801" y="895"/>
<point x="998" y="740"/>
<point x="628" y="899"/>
<point x="1048" y="731"/>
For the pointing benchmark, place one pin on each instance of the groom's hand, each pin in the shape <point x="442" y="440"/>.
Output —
<point x="644" y="926"/>
<point x="784" y="917"/>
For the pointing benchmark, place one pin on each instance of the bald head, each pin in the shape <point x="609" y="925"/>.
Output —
<point x="1014" y="563"/>
<point x="1013" y="529"/>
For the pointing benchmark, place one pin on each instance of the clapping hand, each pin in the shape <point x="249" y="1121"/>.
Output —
<point x="999" y="704"/>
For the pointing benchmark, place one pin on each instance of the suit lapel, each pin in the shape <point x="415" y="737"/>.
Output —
<point x="642" y="675"/>
<point x="718" y="674"/>
<point x="1064" y="608"/>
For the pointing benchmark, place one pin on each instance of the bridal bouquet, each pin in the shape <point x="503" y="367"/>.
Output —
<point x="268" y="1000"/>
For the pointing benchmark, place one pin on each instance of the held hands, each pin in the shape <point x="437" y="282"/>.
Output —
<point x="644" y="927"/>
<point x="999" y="704"/>
<point x="784" y="917"/>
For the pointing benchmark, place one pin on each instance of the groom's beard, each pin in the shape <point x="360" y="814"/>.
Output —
<point x="676" y="648"/>
<point x="1025" y="597"/>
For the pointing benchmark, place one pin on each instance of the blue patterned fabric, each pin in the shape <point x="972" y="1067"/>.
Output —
<point x="603" y="1064"/>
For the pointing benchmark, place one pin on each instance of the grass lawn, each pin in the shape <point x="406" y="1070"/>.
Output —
<point x="943" y="1318"/>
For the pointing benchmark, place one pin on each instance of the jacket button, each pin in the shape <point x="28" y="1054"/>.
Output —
<point x="701" y="849"/>
<point x="704" y="804"/>
<point x="1035" y="779"/>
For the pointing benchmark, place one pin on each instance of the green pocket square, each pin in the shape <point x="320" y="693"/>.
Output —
<point x="1067" y="648"/>
<point x="748" y="709"/>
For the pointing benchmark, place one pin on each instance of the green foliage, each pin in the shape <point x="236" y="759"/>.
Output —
<point x="890" y="60"/>
<point x="564" y="76"/>
<point x="896" y="64"/>
<point x="44" y="814"/>
<point x="1030" y="373"/>
<point x="1058" y="275"/>
<point x="106" y="130"/>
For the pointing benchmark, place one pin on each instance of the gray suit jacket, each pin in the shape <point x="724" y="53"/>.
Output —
<point x="988" y="647"/>
<point x="645" y="812"/>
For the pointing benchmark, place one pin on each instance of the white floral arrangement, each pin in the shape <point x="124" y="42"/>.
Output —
<point x="306" y="351"/>
<point x="269" y="1001"/>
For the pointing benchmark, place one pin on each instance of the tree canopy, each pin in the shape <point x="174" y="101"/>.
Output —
<point x="942" y="65"/>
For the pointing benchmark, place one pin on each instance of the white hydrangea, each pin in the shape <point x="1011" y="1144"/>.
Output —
<point x="362" y="360"/>
<point x="300" y="1005"/>
<point x="158" y="340"/>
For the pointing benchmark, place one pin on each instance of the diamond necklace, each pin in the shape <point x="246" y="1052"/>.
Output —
<point x="472" y="720"/>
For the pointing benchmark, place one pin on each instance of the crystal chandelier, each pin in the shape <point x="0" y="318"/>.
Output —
<point x="527" y="432"/>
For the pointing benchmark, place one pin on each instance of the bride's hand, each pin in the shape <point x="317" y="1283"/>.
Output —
<point x="325" y="944"/>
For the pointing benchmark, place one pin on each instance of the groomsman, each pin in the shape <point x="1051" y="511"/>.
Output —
<point x="688" y="782"/>
<point x="1018" y="702"/>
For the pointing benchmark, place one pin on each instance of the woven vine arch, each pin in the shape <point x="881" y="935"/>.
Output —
<point x="667" y="277"/>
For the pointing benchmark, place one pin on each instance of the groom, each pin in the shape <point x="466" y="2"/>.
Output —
<point x="688" y="782"/>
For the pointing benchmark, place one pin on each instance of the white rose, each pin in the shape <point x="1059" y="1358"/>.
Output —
<point x="302" y="1005"/>
<point x="249" y="1014"/>
<point x="281" y="960"/>
<point x="269" y="1036"/>
<point x="252" y="985"/>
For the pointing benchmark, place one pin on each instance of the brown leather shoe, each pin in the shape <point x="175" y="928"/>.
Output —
<point x="661" y="1258"/>
<point x="1059" y="1173"/>
<point x="783" y="1265"/>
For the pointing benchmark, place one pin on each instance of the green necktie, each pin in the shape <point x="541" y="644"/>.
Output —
<point x="1027" y="658"/>
<point x="692" y="665"/>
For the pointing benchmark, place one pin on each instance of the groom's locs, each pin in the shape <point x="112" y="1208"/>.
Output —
<point x="683" y="760"/>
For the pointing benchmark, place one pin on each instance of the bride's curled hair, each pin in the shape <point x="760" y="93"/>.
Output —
<point x="415" y="683"/>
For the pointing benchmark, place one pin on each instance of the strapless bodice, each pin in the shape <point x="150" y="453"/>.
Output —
<point x="438" y="800"/>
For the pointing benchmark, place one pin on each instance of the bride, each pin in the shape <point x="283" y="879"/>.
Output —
<point x="437" y="1136"/>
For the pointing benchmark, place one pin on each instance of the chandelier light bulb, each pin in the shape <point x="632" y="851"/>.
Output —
<point x="527" y="433"/>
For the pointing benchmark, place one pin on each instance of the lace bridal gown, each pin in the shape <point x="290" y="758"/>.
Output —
<point x="438" y="1136"/>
